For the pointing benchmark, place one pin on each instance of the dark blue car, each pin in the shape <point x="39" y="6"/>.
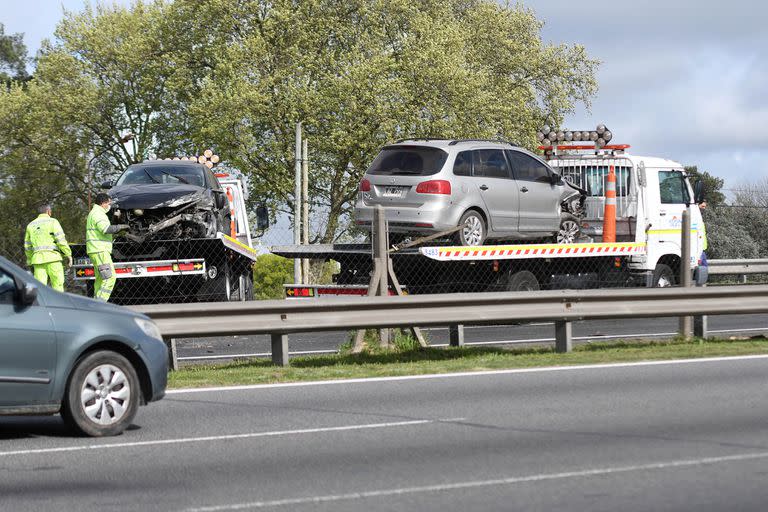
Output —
<point x="91" y="361"/>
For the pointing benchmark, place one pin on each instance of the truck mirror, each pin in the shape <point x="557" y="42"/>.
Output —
<point x="107" y="185"/>
<point x="262" y="218"/>
<point x="698" y="192"/>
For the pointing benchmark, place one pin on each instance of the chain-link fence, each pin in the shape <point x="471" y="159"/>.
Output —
<point x="169" y="271"/>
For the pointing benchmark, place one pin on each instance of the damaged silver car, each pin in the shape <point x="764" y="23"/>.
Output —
<point x="169" y="199"/>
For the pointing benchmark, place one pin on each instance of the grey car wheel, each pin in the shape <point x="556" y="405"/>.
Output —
<point x="472" y="230"/>
<point x="569" y="230"/>
<point x="102" y="395"/>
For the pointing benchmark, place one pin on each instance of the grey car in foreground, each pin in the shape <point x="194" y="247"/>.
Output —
<point x="490" y="189"/>
<point x="91" y="361"/>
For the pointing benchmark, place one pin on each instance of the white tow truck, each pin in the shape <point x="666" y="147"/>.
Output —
<point x="651" y="195"/>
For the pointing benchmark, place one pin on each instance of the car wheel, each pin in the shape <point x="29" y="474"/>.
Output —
<point x="522" y="281"/>
<point x="102" y="395"/>
<point x="663" y="277"/>
<point x="569" y="230"/>
<point x="472" y="230"/>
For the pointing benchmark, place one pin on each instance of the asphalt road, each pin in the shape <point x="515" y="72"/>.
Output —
<point x="208" y="349"/>
<point x="638" y="437"/>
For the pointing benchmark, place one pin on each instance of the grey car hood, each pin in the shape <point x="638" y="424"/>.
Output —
<point x="88" y="304"/>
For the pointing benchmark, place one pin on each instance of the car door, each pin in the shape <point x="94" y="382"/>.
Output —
<point x="27" y="348"/>
<point x="673" y="200"/>
<point x="493" y="178"/>
<point x="539" y="199"/>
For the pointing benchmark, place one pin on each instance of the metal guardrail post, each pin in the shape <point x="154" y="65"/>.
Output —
<point x="173" y="358"/>
<point x="563" y="336"/>
<point x="456" y="332"/>
<point x="280" y="349"/>
<point x="686" y="322"/>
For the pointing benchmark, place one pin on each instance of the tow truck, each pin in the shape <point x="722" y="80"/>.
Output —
<point x="651" y="195"/>
<point x="184" y="269"/>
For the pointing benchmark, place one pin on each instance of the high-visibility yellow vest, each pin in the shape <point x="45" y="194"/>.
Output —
<point x="44" y="241"/>
<point x="96" y="237"/>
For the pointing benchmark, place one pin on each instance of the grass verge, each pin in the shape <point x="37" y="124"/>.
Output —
<point x="409" y="360"/>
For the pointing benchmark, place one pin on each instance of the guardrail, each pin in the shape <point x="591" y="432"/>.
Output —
<point x="738" y="267"/>
<point x="279" y="318"/>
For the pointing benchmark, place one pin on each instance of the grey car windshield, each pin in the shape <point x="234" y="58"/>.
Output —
<point x="145" y="174"/>
<point x="408" y="161"/>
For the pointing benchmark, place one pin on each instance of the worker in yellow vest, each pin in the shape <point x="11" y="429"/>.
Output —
<point x="98" y="244"/>
<point x="45" y="247"/>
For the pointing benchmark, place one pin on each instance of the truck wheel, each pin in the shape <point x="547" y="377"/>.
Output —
<point x="243" y="288"/>
<point x="522" y="281"/>
<point x="472" y="230"/>
<point x="569" y="230"/>
<point x="102" y="395"/>
<point x="663" y="276"/>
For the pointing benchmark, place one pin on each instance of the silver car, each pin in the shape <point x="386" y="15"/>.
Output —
<point x="492" y="190"/>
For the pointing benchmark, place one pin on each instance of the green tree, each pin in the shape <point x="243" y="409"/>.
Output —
<point x="270" y="273"/>
<point x="361" y="73"/>
<point x="110" y="70"/>
<point x="13" y="57"/>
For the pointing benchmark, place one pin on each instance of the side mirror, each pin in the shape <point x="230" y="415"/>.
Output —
<point x="26" y="293"/>
<point x="554" y="178"/>
<point x="698" y="192"/>
<point x="107" y="185"/>
<point x="221" y="199"/>
<point x="262" y="218"/>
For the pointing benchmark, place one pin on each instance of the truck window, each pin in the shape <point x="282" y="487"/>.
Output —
<point x="527" y="168"/>
<point x="462" y="166"/>
<point x="490" y="163"/>
<point x="672" y="188"/>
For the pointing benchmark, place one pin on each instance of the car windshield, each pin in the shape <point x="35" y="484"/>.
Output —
<point x="408" y="161"/>
<point x="146" y="174"/>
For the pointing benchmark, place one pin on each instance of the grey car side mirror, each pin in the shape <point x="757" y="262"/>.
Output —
<point x="26" y="293"/>
<point x="554" y="178"/>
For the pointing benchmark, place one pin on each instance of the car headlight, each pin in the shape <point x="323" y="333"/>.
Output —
<point x="149" y="327"/>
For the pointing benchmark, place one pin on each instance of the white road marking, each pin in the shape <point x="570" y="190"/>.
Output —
<point x="469" y="374"/>
<point x="481" y="483"/>
<point x="250" y="435"/>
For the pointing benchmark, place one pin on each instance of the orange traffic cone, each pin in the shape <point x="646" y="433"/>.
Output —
<point x="609" y="214"/>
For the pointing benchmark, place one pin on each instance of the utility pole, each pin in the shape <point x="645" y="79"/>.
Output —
<point x="305" y="206"/>
<point x="297" y="206"/>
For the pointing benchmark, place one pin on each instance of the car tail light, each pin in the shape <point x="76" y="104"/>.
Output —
<point x="434" y="187"/>
<point x="365" y="186"/>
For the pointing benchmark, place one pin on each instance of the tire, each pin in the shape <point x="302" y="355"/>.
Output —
<point x="243" y="288"/>
<point x="569" y="231"/>
<point x="91" y="405"/>
<point x="663" y="276"/>
<point x="473" y="231"/>
<point x="522" y="281"/>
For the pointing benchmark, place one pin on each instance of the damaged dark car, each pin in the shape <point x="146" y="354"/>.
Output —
<point x="168" y="200"/>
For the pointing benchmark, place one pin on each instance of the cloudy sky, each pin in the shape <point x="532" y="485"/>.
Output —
<point x="684" y="79"/>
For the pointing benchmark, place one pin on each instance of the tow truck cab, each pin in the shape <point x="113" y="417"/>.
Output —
<point x="651" y="195"/>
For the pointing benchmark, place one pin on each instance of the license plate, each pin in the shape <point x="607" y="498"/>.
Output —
<point x="394" y="191"/>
